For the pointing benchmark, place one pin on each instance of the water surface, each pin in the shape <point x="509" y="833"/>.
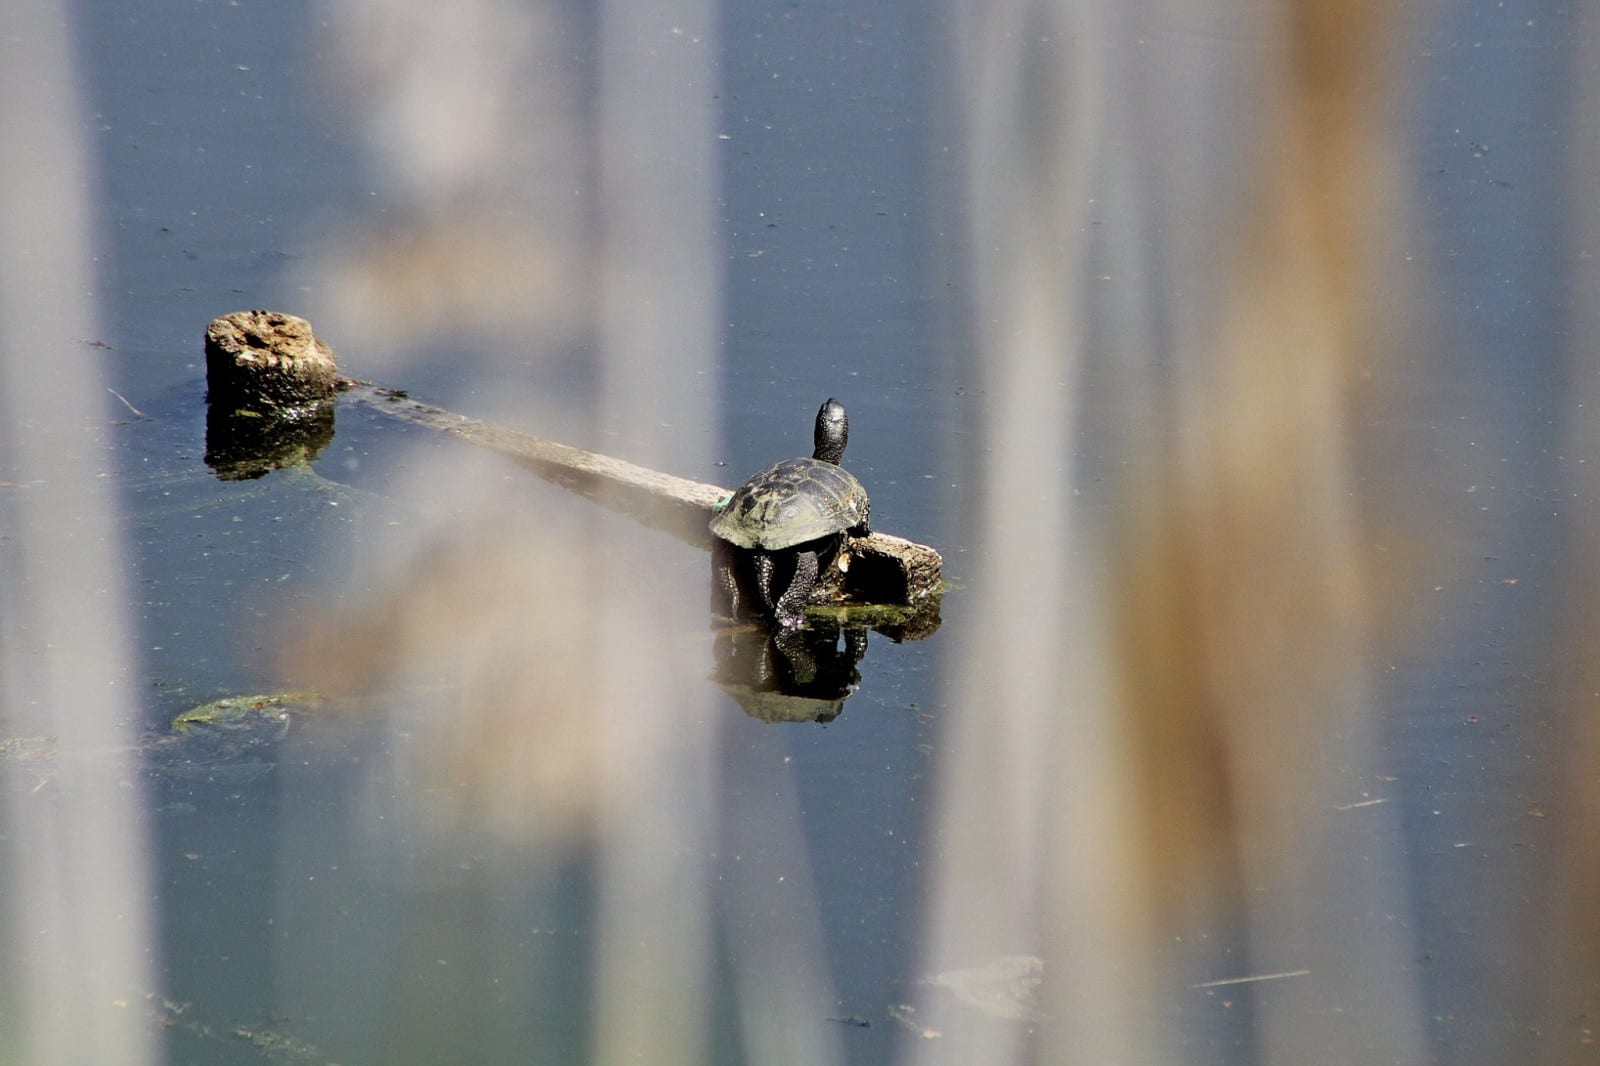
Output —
<point x="306" y="914"/>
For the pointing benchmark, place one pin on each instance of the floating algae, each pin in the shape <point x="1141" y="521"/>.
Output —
<point x="229" y="740"/>
<point x="280" y="1047"/>
<point x="247" y="712"/>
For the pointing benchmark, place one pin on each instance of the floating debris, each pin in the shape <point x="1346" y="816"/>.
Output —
<point x="28" y="747"/>
<point x="280" y="1047"/>
<point x="1008" y="987"/>
<point x="1252" y="979"/>
<point x="906" y="1015"/>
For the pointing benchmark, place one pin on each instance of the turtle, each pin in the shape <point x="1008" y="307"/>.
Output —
<point x="787" y="521"/>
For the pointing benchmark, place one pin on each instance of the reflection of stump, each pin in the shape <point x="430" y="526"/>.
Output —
<point x="265" y="360"/>
<point x="242" y="444"/>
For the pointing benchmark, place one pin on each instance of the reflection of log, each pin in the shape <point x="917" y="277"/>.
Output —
<point x="883" y="568"/>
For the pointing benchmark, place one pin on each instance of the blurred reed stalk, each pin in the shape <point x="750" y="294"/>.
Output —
<point x="658" y="328"/>
<point x="574" y="210"/>
<point x="1570" y="941"/>
<point x="1157" y="749"/>
<point x="77" y="954"/>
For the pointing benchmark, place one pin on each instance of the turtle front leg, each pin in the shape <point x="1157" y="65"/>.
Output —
<point x="790" y="609"/>
<point x="724" y="582"/>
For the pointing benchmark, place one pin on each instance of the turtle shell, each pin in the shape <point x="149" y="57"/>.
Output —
<point x="792" y="502"/>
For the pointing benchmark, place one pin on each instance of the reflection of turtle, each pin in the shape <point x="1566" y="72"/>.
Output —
<point x="774" y="707"/>
<point x="794" y="675"/>
<point x="789" y="520"/>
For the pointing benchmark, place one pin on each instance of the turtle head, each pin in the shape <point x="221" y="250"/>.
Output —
<point x="833" y="431"/>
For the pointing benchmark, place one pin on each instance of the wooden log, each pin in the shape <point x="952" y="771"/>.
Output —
<point x="264" y="364"/>
<point x="878" y="568"/>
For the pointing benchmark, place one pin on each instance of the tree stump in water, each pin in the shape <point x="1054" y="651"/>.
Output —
<point x="265" y="361"/>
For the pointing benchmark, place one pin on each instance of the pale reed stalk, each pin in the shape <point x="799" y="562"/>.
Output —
<point x="75" y="885"/>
